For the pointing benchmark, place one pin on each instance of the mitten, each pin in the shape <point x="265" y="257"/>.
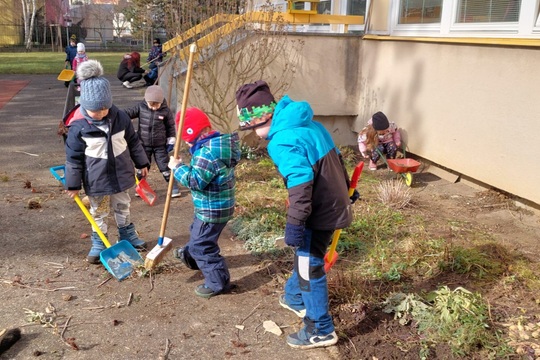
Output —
<point x="355" y="196"/>
<point x="294" y="235"/>
<point x="170" y="147"/>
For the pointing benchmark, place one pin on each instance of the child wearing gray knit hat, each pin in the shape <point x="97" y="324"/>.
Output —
<point x="95" y="89"/>
<point x="102" y="149"/>
<point x="156" y="129"/>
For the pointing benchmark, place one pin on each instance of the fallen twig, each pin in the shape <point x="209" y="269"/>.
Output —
<point x="251" y="313"/>
<point x="129" y="299"/>
<point x="165" y="354"/>
<point x="13" y="283"/>
<point x="64" y="329"/>
<point x="104" y="281"/>
<point x="151" y="281"/>
<point x="24" y="152"/>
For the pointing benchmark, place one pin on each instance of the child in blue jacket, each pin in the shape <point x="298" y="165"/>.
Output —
<point x="317" y="182"/>
<point x="101" y="149"/>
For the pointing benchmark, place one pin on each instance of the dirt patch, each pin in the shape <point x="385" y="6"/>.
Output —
<point x="43" y="272"/>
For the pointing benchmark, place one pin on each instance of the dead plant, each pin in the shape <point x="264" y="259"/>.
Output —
<point x="394" y="194"/>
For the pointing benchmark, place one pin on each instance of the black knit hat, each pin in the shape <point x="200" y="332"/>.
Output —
<point x="379" y="121"/>
<point x="254" y="101"/>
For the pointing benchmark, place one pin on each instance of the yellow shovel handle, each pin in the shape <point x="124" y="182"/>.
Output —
<point x="335" y="237"/>
<point x="92" y="221"/>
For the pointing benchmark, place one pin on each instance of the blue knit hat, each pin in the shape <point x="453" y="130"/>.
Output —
<point x="95" y="89"/>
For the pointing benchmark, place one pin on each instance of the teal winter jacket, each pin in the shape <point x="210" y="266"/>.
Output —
<point x="312" y="168"/>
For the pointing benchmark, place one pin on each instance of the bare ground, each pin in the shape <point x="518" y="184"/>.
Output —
<point x="87" y="315"/>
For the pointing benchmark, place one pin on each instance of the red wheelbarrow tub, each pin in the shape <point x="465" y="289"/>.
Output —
<point x="403" y="165"/>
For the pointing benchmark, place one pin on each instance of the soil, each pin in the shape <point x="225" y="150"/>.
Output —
<point x="86" y="314"/>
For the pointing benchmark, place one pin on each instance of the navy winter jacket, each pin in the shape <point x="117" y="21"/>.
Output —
<point x="102" y="161"/>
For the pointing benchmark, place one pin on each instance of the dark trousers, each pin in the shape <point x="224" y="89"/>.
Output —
<point x="204" y="249"/>
<point x="131" y="77"/>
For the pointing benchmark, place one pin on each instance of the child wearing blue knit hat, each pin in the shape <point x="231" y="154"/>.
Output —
<point x="101" y="148"/>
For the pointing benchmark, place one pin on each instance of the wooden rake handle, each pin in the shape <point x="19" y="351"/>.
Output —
<point x="192" y="51"/>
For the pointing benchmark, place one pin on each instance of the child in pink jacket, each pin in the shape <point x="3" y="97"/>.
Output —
<point x="379" y="134"/>
<point x="79" y="58"/>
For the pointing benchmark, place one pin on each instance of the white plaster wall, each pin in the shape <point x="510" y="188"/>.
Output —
<point x="473" y="109"/>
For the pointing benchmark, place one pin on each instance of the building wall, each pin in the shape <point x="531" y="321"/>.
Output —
<point x="471" y="109"/>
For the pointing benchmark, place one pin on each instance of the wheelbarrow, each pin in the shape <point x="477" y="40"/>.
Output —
<point x="119" y="259"/>
<point x="404" y="167"/>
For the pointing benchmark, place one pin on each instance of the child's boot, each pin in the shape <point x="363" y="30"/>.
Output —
<point x="372" y="165"/>
<point x="128" y="233"/>
<point x="97" y="248"/>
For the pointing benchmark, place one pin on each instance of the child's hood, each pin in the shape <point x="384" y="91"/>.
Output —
<point x="225" y="147"/>
<point x="290" y="114"/>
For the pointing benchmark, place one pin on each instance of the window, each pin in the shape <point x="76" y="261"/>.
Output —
<point x="488" y="11"/>
<point x="420" y="11"/>
<point x="356" y="7"/>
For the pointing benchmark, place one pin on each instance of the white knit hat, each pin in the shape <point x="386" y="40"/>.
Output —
<point x="80" y="47"/>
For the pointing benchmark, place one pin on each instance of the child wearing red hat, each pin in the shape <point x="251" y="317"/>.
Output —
<point x="210" y="176"/>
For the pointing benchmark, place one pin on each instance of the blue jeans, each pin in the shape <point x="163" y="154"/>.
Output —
<point x="307" y="286"/>
<point x="204" y="249"/>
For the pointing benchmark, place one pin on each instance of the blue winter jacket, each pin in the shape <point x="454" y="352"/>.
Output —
<point x="312" y="167"/>
<point x="102" y="161"/>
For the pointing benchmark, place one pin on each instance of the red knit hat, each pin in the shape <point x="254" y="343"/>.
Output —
<point x="194" y="121"/>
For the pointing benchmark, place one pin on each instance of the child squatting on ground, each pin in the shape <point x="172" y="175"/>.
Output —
<point x="101" y="148"/>
<point x="156" y="130"/>
<point x="317" y="183"/>
<point x="210" y="176"/>
<point x="379" y="134"/>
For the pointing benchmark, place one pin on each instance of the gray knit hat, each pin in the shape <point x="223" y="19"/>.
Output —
<point x="95" y="89"/>
<point x="154" y="93"/>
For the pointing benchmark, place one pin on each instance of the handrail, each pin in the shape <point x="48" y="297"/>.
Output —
<point x="233" y="22"/>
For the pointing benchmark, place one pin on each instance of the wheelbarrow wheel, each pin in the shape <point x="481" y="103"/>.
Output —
<point x="408" y="177"/>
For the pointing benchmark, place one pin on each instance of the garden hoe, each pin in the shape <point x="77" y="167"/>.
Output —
<point x="331" y="256"/>
<point x="164" y="243"/>
<point x="119" y="259"/>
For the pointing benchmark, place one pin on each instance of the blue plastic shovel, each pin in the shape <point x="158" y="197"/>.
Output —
<point x="119" y="259"/>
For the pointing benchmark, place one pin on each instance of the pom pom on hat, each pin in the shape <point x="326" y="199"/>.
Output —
<point x="73" y="37"/>
<point x="80" y="47"/>
<point x="154" y="93"/>
<point x="95" y="89"/>
<point x="379" y="121"/>
<point x="195" y="121"/>
<point x="254" y="101"/>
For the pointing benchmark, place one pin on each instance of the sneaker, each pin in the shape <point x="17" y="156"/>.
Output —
<point x="205" y="292"/>
<point x="127" y="84"/>
<point x="137" y="194"/>
<point x="372" y="165"/>
<point x="300" y="313"/>
<point x="306" y="340"/>
<point x="176" y="193"/>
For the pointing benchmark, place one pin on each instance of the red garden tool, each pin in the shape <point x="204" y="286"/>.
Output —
<point x="331" y="256"/>
<point x="145" y="191"/>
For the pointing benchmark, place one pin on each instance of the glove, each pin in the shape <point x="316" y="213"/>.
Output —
<point x="170" y="147"/>
<point x="173" y="163"/>
<point x="294" y="235"/>
<point x="355" y="196"/>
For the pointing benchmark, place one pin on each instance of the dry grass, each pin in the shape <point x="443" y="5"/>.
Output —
<point x="394" y="194"/>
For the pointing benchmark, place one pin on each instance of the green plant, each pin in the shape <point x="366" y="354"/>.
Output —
<point x="458" y="317"/>
<point x="406" y="307"/>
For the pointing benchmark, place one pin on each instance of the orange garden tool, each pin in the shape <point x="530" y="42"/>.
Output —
<point x="145" y="191"/>
<point x="331" y="256"/>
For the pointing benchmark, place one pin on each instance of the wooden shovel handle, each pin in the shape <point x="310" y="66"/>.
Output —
<point x="192" y="51"/>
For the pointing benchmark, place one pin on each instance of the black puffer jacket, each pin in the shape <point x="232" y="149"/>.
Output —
<point x="154" y="126"/>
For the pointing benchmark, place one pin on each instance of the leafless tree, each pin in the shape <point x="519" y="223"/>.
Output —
<point x="234" y="49"/>
<point x="29" y="10"/>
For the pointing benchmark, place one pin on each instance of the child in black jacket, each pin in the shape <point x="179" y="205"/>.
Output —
<point x="156" y="129"/>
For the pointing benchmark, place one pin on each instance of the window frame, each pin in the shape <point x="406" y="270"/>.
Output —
<point x="528" y="25"/>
